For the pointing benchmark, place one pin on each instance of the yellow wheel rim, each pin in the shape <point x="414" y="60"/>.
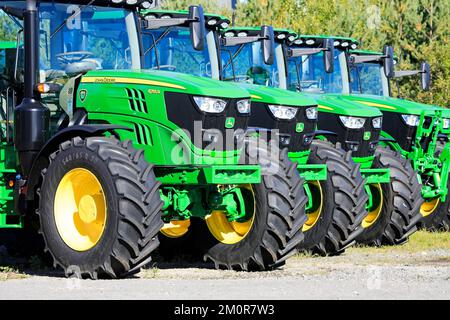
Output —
<point x="317" y="194"/>
<point x="230" y="232"/>
<point x="375" y="211"/>
<point x="176" y="228"/>
<point x="80" y="209"/>
<point x="429" y="207"/>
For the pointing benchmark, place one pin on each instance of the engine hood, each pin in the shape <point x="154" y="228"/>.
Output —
<point x="169" y="81"/>
<point x="277" y="96"/>
<point x="395" y="104"/>
<point x="337" y="104"/>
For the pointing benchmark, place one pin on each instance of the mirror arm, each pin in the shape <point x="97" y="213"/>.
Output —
<point x="153" y="24"/>
<point x="234" y="41"/>
<point x="369" y="58"/>
<point x="298" y="52"/>
<point x="406" y="73"/>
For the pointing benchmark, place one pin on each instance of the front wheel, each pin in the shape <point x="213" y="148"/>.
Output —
<point x="396" y="213"/>
<point x="337" y="203"/>
<point x="100" y="208"/>
<point x="272" y="229"/>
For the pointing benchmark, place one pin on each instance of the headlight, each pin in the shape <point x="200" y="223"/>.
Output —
<point x="446" y="124"/>
<point x="353" y="122"/>
<point x="411" y="120"/>
<point x="244" y="106"/>
<point x="210" y="105"/>
<point x="377" y="122"/>
<point x="312" y="113"/>
<point x="283" y="112"/>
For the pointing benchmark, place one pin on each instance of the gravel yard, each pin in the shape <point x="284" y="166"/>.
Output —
<point x="418" y="270"/>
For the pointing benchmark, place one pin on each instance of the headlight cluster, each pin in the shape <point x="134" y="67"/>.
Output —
<point x="244" y="106"/>
<point x="210" y="105"/>
<point x="411" y="120"/>
<point x="446" y="124"/>
<point x="312" y="113"/>
<point x="214" y="105"/>
<point x="352" y="122"/>
<point x="146" y="4"/>
<point x="377" y="122"/>
<point x="283" y="112"/>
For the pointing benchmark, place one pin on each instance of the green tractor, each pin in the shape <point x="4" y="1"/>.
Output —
<point x="397" y="212"/>
<point x="334" y="184"/>
<point x="416" y="138"/>
<point x="108" y="155"/>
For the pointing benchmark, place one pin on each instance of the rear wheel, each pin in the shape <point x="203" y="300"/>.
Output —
<point x="436" y="214"/>
<point x="271" y="229"/>
<point x="100" y="208"/>
<point x="394" y="217"/>
<point x="337" y="204"/>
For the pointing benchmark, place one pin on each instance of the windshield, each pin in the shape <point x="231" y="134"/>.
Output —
<point x="367" y="78"/>
<point x="76" y="39"/>
<point x="307" y="73"/>
<point x="245" y="63"/>
<point x="171" y="49"/>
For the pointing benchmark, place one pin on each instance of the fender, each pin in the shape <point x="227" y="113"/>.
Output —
<point x="83" y="131"/>
<point x="324" y="133"/>
<point x="386" y="139"/>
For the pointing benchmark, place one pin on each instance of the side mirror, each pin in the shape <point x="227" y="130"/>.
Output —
<point x="426" y="76"/>
<point x="268" y="44"/>
<point x="197" y="27"/>
<point x="328" y="55"/>
<point x="388" y="61"/>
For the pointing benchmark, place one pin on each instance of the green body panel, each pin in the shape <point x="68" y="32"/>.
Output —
<point x="8" y="45"/>
<point x="9" y="219"/>
<point x="109" y="102"/>
<point x="278" y="96"/>
<point x="337" y="104"/>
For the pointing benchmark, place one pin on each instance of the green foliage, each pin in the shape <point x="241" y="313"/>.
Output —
<point x="418" y="30"/>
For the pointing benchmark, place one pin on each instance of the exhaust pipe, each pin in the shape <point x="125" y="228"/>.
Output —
<point x="31" y="117"/>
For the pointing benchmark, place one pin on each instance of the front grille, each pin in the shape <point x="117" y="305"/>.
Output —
<point x="425" y="141"/>
<point x="351" y="139"/>
<point x="182" y="111"/>
<point x="290" y="138"/>
<point x="396" y="127"/>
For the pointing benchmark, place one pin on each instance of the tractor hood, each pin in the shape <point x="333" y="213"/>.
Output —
<point x="394" y="104"/>
<point x="338" y="104"/>
<point x="277" y="96"/>
<point x="170" y="81"/>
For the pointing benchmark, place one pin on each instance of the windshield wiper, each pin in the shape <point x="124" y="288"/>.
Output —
<point x="158" y="40"/>
<point x="238" y="51"/>
<point x="76" y="14"/>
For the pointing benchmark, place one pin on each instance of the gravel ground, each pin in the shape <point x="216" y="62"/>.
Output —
<point x="408" y="272"/>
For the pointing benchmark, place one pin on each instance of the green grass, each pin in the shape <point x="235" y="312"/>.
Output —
<point x="419" y="242"/>
<point x="9" y="273"/>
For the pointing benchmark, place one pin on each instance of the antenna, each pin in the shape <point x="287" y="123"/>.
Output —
<point x="233" y="16"/>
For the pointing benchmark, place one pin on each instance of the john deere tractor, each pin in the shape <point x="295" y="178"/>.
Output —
<point x="418" y="131"/>
<point x="108" y="155"/>
<point x="394" y="208"/>
<point x="334" y="185"/>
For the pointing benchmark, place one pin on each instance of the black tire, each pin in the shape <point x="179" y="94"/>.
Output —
<point x="133" y="204"/>
<point x="401" y="202"/>
<point x="277" y="227"/>
<point x="344" y="201"/>
<point x="439" y="220"/>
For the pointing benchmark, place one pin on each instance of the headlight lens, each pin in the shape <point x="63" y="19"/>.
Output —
<point x="353" y="122"/>
<point x="377" y="122"/>
<point x="446" y="124"/>
<point x="312" y="113"/>
<point x="210" y="105"/>
<point x="244" y="106"/>
<point x="283" y="112"/>
<point x="411" y="120"/>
